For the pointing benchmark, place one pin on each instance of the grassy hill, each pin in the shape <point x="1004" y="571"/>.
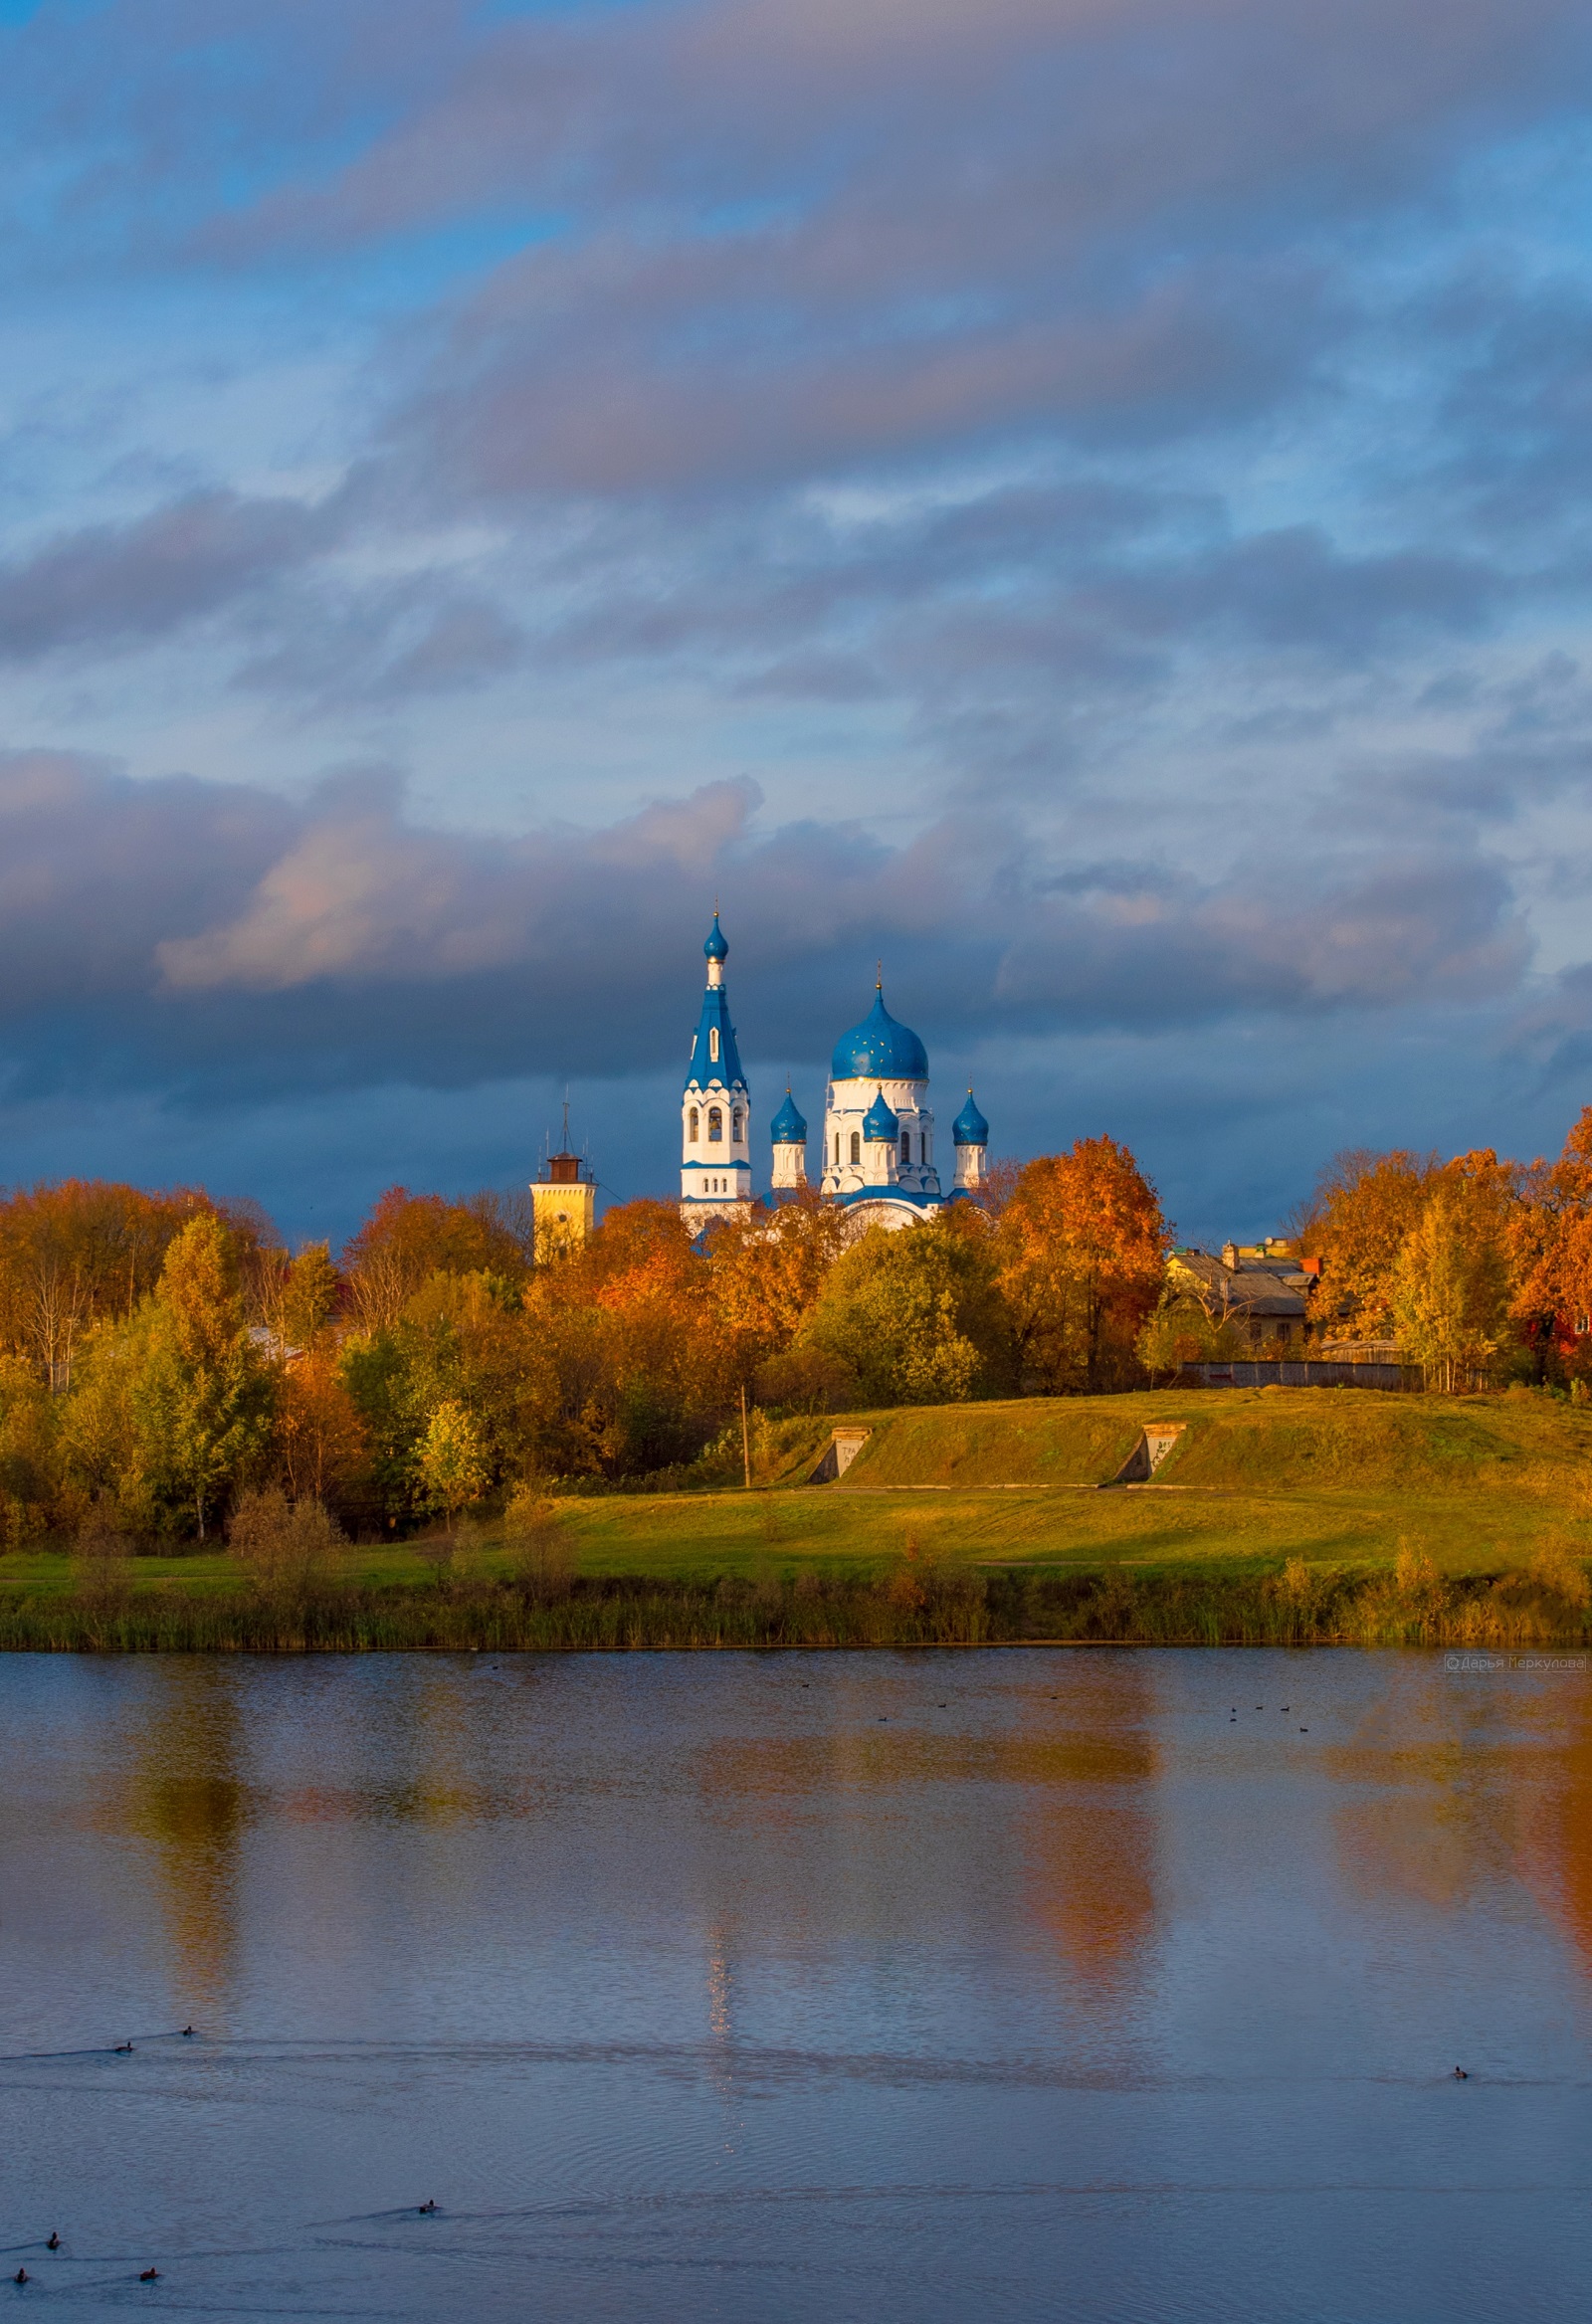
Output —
<point x="1477" y="1485"/>
<point x="1398" y="1519"/>
<point x="1303" y="1440"/>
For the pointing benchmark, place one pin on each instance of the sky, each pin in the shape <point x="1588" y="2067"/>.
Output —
<point x="1084" y="502"/>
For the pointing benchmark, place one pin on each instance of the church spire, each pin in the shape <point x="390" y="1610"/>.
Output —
<point x="715" y="1110"/>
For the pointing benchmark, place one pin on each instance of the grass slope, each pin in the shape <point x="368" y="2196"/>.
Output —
<point x="967" y="1522"/>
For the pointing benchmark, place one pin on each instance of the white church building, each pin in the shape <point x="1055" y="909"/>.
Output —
<point x="878" y="1152"/>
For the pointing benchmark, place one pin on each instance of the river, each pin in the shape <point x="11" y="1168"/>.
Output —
<point x="936" y="1987"/>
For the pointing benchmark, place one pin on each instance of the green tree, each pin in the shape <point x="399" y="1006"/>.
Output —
<point x="453" y="1471"/>
<point x="201" y="1398"/>
<point x="914" y="1315"/>
<point x="1182" y="1330"/>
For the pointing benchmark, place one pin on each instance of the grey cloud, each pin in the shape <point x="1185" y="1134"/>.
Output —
<point x="1147" y="951"/>
<point x="945" y="223"/>
<point x="326" y="646"/>
<point x="1295" y="588"/>
<point x="225" y="942"/>
<point x="730" y="381"/>
<point x="119" y="584"/>
<point x="95" y="871"/>
<point x="1103" y="114"/>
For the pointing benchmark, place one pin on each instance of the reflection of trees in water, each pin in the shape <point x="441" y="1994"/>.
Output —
<point x="1429" y="1795"/>
<point x="184" y="1797"/>
<point x="1090" y="1833"/>
<point x="1457" y="1790"/>
<point x="1556" y="1843"/>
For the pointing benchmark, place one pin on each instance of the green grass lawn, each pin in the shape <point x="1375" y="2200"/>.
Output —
<point x="1477" y="1485"/>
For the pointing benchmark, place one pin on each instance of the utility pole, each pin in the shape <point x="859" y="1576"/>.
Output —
<point x="745" y="1439"/>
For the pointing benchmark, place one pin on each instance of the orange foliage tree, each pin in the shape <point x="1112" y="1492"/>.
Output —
<point x="1554" y="1247"/>
<point x="77" y="1254"/>
<point x="322" y="1441"/>
<point x="1081" y="1255"/>
<point x="632" y="1376"/>
<point x="409" y="1236"/>
<point x="1363" y="1209"/>
<point x="765" y="1277"/>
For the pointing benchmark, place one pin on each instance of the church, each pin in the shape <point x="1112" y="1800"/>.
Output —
<point x="877" y="1159"/>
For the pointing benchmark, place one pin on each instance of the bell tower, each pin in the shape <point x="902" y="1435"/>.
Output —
<point x="715" y="1173"/>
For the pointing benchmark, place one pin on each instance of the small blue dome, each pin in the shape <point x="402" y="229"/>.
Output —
<point x="879" y="1050"/>
<point x="878" y="1123"/>
<point x="787" y="1127"/>
<point x="970" y="1128"/>
<point x="717" y="949"/>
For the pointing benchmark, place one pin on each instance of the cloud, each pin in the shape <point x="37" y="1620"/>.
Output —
<point x="115" y="585"/>
<point x="196" y="930"/>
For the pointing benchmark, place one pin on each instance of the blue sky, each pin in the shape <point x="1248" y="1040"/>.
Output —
<point x="1086" y="500"/>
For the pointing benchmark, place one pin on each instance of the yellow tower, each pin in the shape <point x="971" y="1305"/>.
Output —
<point x="564" y="1199"/>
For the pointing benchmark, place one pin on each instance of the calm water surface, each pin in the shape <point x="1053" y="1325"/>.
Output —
<point x="811" y="1987"/>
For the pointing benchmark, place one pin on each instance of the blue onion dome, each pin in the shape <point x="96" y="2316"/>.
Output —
<point x="970" y="1128"/>
<point x="716" y="946"/>
<point x="878" y="1123"/>
<point x="879" y="1050"/>
<point x="787" y="1127"/>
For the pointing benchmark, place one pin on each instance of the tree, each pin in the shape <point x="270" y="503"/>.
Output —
<point x="452" y="1471"/>
<point x="201" y="1398"/>
<point x="309" y="1292"/>
<point x="1553" y="1251"/>
<point x="766" y="1273"/>
<point x="408" y="1238"/>
<point x="29" y="1451"/>
<point x="1364" y="1207"/>
<point x="914" y="1315"/>
<point x="1449" y="1288"/>
<point x="73" y="1255"/>
<point x="1081" y="1255"/>
<point x="537" y="1544"/>
<point x="630" y="1374"/>
<point x="1183" y="1330"/>
<point x="285" y="1546"/>
<point x="322" y="1437"/>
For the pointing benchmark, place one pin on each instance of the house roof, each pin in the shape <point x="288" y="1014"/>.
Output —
<point x="1247" y="1290"/>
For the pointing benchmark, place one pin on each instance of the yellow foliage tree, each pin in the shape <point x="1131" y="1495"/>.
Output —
<point x="1450" y="1289"/>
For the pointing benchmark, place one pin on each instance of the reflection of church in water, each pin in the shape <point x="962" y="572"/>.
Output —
<point x="878" y="1154"/>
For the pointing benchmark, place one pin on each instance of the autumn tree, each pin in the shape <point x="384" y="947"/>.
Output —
<point x="76" y="1255"/>
<point x="295" y="1298"/>
<point x="29" y="1452"/>
<point x="201" y="1396"/>
<point x="322" y="1441"/>
<point x="1182" y="1330"/>
<point x="634" y="1376"/>
<point x="1363" y="1208"/>
<point x="287" y="1547"/>
<point x="1081" y="1249"/>
<point x="408" y="1238"/>
<point x="1551" y="1246"/>
<point x="1449" y="1293"/>
<point x="764" y="1274"/>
